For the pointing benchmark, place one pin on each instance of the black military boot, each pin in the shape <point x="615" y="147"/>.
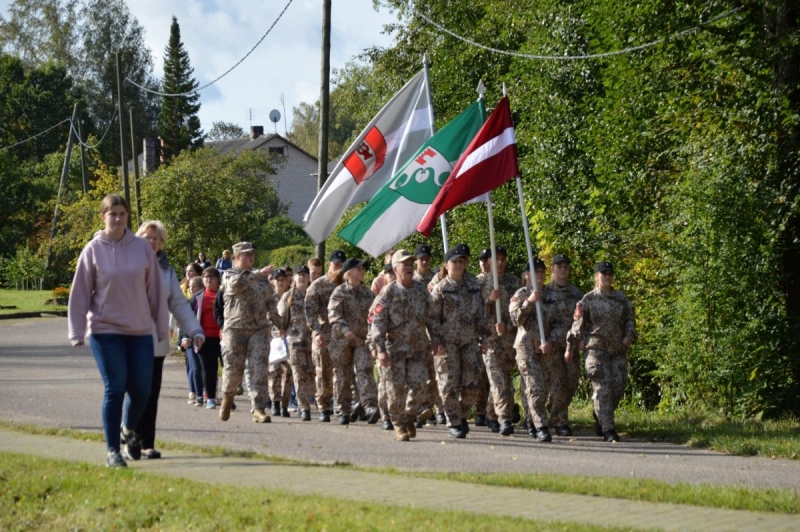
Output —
<point x="441" y="419"/>
<point x="285" y="412"/>
<point x="325" y="416"/>
<point x="517" y="417"/>
<point x="344" y="419"/>
<point x="480" y="420"/>
<point x="611" y="435"/>
<point x="543" y="435"/>
<point x="305" y="415"/>
<point x="563" y="430"/>
<point x="356" y="412"/>
<point x="387" y="425"/>
<point x="493" y="425"/>
<point x="506" y="429"/>
<point x="464" y="426"/>
<point x="276" y="408"/>
<point x="457" y="432"/>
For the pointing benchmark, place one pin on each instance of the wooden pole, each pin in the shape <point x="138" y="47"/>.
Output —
<point x="124" y="161"/>
<point x="135" y="174"/>
<point x="84" y="173"/>
<point x="324" y="110"/>
<point x="61" y="185"/>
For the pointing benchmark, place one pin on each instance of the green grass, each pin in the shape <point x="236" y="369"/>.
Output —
<point x="27" y="301"/>
<point x="50" y="495"/>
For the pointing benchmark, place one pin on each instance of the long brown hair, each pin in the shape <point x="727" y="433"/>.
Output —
<point x="336" y="277"/>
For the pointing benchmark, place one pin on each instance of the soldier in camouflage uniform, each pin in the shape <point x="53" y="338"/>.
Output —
<point x="456" y="328"/>
<point x="280" y="373"/>
<point x="562" y="298"/>
<point x="533" y="356"/>
<point x="398" y="324"/>
<point x="250" y="310"/>
<point x="383" y="402"/>
<point x="316" y="308"/>
<point x="348" y="310"/>
<point x="424" y="275"/>
<point x="292" y="311"/>
<point x="499" y="351"/>
<point x="604" y="326"/>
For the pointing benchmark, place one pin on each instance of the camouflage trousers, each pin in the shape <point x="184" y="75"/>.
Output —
<point x="433" y="398"/>
<point x="483" y="395"/>
<point x="458" y="375"/>
<point x="383" y="400"/>
<point x="559" y="397"/>
<point x="608" y="373"/>
<point x="252" y="346"/>
<point x="323" y="368"/>
<point x="540" y="373"/>
<point x="280" y="383"/>
<point x="406" y="381"/>
<point x="499" y="362"/>
<point x="352" y="361"/>
<point x="303" y="373"/>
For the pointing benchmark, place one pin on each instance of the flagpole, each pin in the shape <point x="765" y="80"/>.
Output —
<point x="527" y="232"/>
<point x="430" y="116"/>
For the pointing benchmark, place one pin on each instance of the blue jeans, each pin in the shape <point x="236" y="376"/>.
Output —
<point x="126" y="365"/>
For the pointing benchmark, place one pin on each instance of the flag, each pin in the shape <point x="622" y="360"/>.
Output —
<point x="398" y="207"/>
<point x="397" y="131"/>
<point x="490" y="161"/>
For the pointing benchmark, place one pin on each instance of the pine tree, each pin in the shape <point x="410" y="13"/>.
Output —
<point x="179" y="126"/>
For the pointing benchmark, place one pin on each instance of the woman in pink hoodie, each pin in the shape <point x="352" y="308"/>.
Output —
<point x="115" y="300"/>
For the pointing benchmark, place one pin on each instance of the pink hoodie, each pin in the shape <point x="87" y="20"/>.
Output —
<point x="117" y="289"/>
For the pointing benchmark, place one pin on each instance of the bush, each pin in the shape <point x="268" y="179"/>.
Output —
<point x="60" y="292"/>
<point x="289" y="255"/>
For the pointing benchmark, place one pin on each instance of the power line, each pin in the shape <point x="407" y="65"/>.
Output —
<point x="93" y="146"/>
<point x="239" y="62"/>
<point x="577" y="57"/>
<point x="34" y="136"/>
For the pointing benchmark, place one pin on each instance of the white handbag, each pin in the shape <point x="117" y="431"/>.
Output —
<point x="278" y="351"/>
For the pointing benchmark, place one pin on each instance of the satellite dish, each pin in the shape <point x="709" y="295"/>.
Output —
<point x="274" y="116"/>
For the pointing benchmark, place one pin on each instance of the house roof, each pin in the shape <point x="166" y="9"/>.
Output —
<point x="246" y="143"/>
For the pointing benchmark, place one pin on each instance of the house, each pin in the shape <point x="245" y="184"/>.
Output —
<point x="295" y="180"/>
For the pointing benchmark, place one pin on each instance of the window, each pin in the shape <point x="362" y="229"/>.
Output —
<point x="280" y="150"/>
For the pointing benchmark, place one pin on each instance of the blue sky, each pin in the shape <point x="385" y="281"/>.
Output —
<point x="217" y="33"/>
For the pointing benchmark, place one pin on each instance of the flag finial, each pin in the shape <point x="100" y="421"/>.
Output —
<point x="481" y="90"/>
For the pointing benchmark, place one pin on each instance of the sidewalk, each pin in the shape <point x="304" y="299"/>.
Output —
<point x="415" y="492"/>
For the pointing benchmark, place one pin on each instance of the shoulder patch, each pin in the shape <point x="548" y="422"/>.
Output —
<point x="515" y="299"/>
<point x="577" y="313"/>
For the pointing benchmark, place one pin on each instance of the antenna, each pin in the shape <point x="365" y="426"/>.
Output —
<point x="251" y="117"/>
<point x="285" y="132"/>
<point x="274" y="117"/>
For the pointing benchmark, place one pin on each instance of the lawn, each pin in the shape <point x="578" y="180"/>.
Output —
<point x="27" y="301"/>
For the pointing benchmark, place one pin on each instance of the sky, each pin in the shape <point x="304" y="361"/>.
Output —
<point x="217" y="33"/>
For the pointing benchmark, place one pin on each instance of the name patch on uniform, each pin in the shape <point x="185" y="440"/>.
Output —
<point x="577" y="313"/>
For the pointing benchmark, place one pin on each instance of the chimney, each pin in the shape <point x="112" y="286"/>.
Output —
<point x="152" y="155"/>
<point x="256" y="131"/>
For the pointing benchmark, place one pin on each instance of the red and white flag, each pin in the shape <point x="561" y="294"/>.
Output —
<point x="393" y="136"/>
<point x="489" y="161"/>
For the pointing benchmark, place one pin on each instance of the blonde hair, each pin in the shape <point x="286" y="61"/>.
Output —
<point x="112" y="200"/>
<point x="196" y="284"/>
<point x="153" y="224"/>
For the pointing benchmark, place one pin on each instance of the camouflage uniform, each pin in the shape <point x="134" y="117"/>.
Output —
<point x="602" y="321"/>
<point x="561" y="300"/>
<point x="250" y="311"/>
<point x="383" y="402"/>
<point x="424" y="278"/>
<point x="399" y="320"/>
<point x="348" y="310"/>
<point x="535" y="368"/>
<point x="298" y="336"/>
<point x="434" y="399"/>
<point x="499" y="356"/>
<point x="280" y="374"/>
<point x="316" y="309"/>
<point x="457" y="325"/>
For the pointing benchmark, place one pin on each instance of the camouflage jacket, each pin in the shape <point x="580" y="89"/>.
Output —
<point x="459" y="312"/>
<point x="400" y="316"/>
<point x="249" y="300"/>
<point x="508" y="287"/>
<point x="603" y="320"/>
<point x="348" y="309"/>
<point x="561" y="300"/>
<point x="424" y="278"/>
<point x="293" y="319"/>
<point x="523" y="315"/>
<point x="316" y="305"/>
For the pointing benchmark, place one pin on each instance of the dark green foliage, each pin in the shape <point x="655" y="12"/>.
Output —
<point x="179" y="126"/>
<point x="280" y="232"/>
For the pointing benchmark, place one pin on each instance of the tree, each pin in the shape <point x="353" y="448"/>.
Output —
<point x="225" y="131"/>
<point x="209" y="200"/>
<point x="179" y="126"/>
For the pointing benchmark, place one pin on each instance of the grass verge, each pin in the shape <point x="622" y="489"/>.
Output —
<point x="48" y="495"/>
<point x="27" y="301"/>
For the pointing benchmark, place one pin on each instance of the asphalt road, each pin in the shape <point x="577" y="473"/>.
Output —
<point x="45" y="382"/>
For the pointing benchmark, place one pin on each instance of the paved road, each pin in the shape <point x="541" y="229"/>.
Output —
<point x="43" y="381"/>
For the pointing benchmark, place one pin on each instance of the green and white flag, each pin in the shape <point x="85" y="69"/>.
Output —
<point x="394" y="212"/>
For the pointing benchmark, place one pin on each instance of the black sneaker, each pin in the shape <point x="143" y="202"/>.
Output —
<point x="480" y="420"/>
<point x="563" y="430"/>
<point x="611" y="435"/>
<point x="115" y="459"/>
<point x="305" y="415"/>
<point x="133" y="447"/>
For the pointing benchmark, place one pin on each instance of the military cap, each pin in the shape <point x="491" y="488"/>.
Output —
<point x="423" y="250"/>
<point x="337" y="255"/>
<point x="558" y="259"/>
<point x="401" y="255"/>
<point x="242" y="247"/>
<point x="302" y="269"/>
<point x="604" y="266"/>
<point x="538" y="264"/>
<point x="351" y="263"/>
<point x="462" y="250"/>
<point x="455" y="253"/>
<point x="277" y="273"/>
<point x="487" y="253"/>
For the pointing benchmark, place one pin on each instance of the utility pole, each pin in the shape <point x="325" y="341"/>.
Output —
<point x="324" y="111"/>
<point x="61" y="185"/>
<point x="124" y="163"/>
<point x="85" y="179"/>
<point x="135" y="175"/>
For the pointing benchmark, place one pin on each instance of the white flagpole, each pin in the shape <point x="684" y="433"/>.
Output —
<point x="430" y="116"/>
<point x="495" y="280"/>
<point x="530" y="249"/>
